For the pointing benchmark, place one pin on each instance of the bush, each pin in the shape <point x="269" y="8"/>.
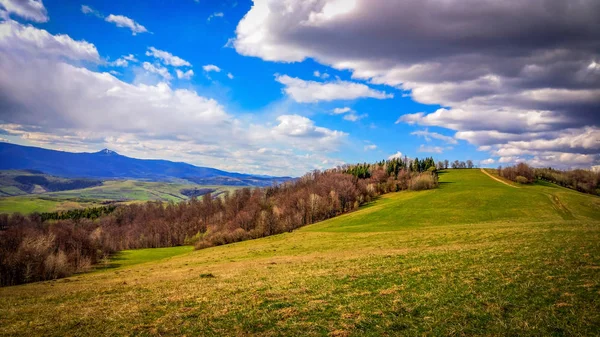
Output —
<point x="424" y="181"/>
<point x="521" y="180"/>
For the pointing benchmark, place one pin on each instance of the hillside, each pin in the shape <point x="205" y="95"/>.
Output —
<point x="21" y="182"/>
<point x="109" y="192"/>
<point x="107" y="164"/>
<point x="473" y="257"/>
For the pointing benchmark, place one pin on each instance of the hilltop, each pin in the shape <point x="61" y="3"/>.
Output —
<point x="473" y="257"/>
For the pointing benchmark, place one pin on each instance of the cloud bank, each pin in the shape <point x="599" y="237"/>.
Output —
<point x="501" y="70"/>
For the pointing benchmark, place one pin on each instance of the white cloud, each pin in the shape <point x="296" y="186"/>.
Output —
<point x="156" y="69"/>
<point x="370" y="147"/>
<point x="124" y="60"/>
<point x="120" y="62"/>
<point x="32" y="10"/>
<point x="488" y="161"/>
<point x="125" y="22"/>
<point x="353" y="117"/>
<point x="430" y="149"/>
<point x="167" y="58"/>
<point x="77" y="109"/>
<point x="339" y="111"/>
<point x="130" y="57"/>
<point x="85" y="9"/>
<point x="230" y="76"/>
<point x="428" y="135"/>
<point x="310" y="91"/>
<point x="299" y="126"/>
<point x="215" y="15"/>
<point x="184" y="75"/>
<point x="211" y="67"/>
<point x="318" y="74"/>
<point x="28" y="39"/>
<point x="397" y="155"/>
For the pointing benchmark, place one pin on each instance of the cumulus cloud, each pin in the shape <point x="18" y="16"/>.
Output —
<point x="230" y="76"/>
<point x="124" y="60"/>
<point x="16" y="38"/>
<point x="300" y="126"/>
<point x="186" y="75"/>
<point x="488" y="161"/>
<point x="125" y="22"/>
<point x="513" y="67"/>
<point x="311" y="91"/>
<point x="370" y="147"/>
<point x="32" y="10"/>
<point x="211" y="67"/>
<point x="50" y="98"/>
<point x="167" y="58"/>
<point x="156" y="69"/>
<point x="339" y="111"/>
<point x="397" y="155"/>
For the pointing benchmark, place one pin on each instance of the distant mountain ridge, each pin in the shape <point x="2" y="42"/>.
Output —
<point x="107" y="164"/>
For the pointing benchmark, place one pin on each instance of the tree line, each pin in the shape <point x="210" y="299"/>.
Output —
<point x="585" y="181"/>
<point x="34" y="249"/>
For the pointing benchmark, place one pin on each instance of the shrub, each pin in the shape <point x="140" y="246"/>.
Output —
<point x="424" y="181"/>
<point x="522" y="180"/>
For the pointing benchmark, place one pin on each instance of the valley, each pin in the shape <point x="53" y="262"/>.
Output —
<point x="473" y="257"/>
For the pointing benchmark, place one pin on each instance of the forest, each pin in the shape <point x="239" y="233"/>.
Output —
<point x="36" y="247"/>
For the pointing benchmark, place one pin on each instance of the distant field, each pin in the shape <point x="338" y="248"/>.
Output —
<point x="112" y="190"/>
<point x="474" y="257"/>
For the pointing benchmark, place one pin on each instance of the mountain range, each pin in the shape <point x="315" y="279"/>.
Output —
<point x="107" y="164"/>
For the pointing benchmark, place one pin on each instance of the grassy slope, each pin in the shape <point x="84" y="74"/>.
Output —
<point x="474" y="257"/>
<point x="127" y="258"/>
<point x="93" y="196"/>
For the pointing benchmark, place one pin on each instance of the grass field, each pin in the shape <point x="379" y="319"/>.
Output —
<point x="112" y="190"/>
<point x="474" y="257"/>
<point x="132" y="257"/>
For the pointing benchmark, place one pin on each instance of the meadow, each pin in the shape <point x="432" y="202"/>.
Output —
<point x="109" y="191"/>
<point x="473" y="257"/>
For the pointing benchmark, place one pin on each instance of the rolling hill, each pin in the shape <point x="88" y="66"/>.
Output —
<point x="107" y="164"/>
<point x="21" y="182"/>
<point x="473" y="257"/>
<point x="109" y="191"/>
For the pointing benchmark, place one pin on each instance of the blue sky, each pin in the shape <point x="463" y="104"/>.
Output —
<point x="269" y="108"/>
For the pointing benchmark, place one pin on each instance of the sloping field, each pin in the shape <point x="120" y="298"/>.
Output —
<point x="111" y="190"/>
<point x="474" y="257"/>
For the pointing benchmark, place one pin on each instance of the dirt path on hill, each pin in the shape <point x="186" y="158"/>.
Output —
<point x="498" y="180"/>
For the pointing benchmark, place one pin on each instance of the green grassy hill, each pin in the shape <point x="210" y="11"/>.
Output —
<point x="111" y="190"/>
<point x="474" y="257"/>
